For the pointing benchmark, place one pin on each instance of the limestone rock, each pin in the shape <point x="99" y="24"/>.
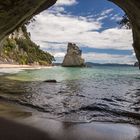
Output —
<point x="73" y="57"/>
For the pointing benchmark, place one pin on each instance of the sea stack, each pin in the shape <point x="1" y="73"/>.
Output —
<point x="73" y="58"/>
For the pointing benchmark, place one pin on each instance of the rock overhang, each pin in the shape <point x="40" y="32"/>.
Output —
<point x="13" y="13"/>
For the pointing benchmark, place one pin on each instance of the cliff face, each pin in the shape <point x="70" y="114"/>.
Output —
<point x="17" y="48"/>
<point x="15" y="12"/>
<point x="73" y="57"/>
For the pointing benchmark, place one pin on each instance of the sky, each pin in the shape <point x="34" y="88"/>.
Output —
<point x="91" y="24"/>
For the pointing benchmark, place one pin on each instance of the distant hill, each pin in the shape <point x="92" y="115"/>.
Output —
<point x="57" y="64"/>
<point x="18" y="48"/>
<point x="90" y="64"/>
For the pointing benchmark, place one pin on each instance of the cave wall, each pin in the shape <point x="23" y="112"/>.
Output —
<point x="15" y="12"/>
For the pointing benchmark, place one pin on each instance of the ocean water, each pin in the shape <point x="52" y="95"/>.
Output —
<point x="100" y="93"/>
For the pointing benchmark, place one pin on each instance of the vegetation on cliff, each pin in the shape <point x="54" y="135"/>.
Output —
<point x="125" y="22"/>
<point x="18" y="48"/>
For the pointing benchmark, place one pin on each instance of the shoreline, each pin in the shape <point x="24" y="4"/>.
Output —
<point x="23" y="66"/>
<point x="58" y="130"/>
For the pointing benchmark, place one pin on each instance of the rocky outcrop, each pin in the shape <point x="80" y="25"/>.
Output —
<point x="73" y="57"/>
<point x="18" y="48"/>
<point x="13" y="13"/>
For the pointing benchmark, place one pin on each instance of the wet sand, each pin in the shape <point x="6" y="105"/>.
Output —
<point x="85" y="131"/>
<point x="56" y="130"/>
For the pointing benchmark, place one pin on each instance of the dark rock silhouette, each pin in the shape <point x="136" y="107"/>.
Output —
<point x="136" y="64"/>
<point x="50" y="81"/>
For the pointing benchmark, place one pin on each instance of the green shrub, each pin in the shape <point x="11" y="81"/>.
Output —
<point x="25" y="51"/>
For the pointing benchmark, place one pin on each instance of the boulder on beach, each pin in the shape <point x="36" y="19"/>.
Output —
<point x="73" y="58"/>
<point x="50" y="81"/>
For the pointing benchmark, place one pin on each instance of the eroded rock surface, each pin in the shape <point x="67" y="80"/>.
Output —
<point x="14" y="12"/>
<point x="73" y="57"/>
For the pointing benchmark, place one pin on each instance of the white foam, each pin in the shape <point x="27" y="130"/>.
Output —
<point x="10" y="70"/>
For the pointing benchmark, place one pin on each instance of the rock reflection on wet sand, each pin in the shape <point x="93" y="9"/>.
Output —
<point x="85" y="131"/>
<point x="57" y="130"/>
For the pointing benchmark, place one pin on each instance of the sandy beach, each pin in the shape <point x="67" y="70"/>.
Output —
<point x="23" y="66"/>
<point x="14" y="66"/>
<point x="58" y="130"/>
<point x="36" y="122"/>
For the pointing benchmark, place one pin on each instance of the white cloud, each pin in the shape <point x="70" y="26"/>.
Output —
<point x="66" y="2"/>
<point x="102" y="18"/>
<point x="101" y="58"/>
<point x="108" y="58"/>
<point x="116" y="17"/>
<point x="65" y="28"/>
<point x="59" y="54"/>
<point x="59" y="9"/>
<point x="61" y="28"/>
<point x="106" y="12"/>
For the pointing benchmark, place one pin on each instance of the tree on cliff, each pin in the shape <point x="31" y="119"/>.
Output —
<point x="18" y="48"/>
<point x="125" y="22"/>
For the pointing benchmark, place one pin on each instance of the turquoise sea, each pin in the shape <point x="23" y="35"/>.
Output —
<point x="99" y="93"/>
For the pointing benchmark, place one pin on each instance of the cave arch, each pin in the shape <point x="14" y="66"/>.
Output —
<point x="14" y="13"/>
